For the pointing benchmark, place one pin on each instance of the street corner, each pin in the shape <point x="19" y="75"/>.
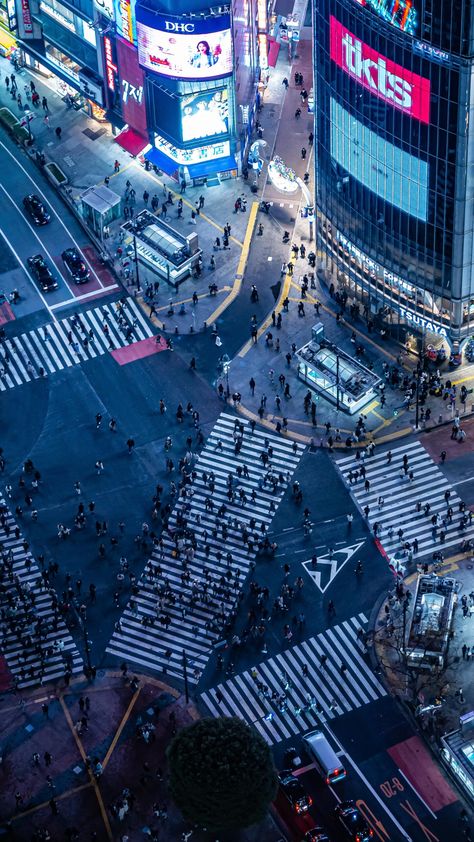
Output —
<point x="68" y="759"/>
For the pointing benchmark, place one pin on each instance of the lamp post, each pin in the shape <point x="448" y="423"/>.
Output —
<point x="225" y="360"/>
<point x="417" y="403"/>
<point x="185" y="675"/>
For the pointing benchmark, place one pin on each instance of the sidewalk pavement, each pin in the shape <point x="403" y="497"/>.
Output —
<point x="116" y="723"/>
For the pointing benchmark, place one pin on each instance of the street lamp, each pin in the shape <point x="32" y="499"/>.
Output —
<point x="225" y="360"/>
<point x="135" y="253"/>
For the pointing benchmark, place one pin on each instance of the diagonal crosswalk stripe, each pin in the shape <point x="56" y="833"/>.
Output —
<point x="56" y="352"/>
<point x="34" y="639"/>
<point x="402" y="497"/>
<point x="184" y="607"/>
<point x="280" y="701"/>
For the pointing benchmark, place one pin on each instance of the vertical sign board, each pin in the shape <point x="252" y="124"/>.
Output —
<point x="132" y="87"/>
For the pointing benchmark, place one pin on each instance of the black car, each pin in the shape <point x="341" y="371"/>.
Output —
<point x="75" y="266"/>
<point x="35" y="208"/>
<point x="316" y="834"/>
<point x="353" y="822"/>
<point x="41" y="273"/>
<point x="294" y="792"/>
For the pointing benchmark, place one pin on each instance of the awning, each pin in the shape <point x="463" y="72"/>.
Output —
<point x="131" y="141"/>
<point x="216" y="165"/>
<point x="273" y="50"/>
<point x="162" y="161"/>
<point x="7" y="41"/>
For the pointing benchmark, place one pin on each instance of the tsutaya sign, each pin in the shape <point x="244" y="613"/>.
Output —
<point x="393" y="83"/>
<point x="422" y="323"/>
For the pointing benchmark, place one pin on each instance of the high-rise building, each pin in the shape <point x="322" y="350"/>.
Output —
<point x="394" y="143"/>
<point x="180" y="77"/>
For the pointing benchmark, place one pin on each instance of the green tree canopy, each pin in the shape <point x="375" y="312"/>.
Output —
<point x="222" y="775"/>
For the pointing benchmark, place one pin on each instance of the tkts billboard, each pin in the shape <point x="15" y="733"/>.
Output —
<point x="391" y="82"/>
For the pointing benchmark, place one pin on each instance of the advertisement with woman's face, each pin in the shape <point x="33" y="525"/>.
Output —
<point x="184" y="48"/>
<point x="204" y="114"/>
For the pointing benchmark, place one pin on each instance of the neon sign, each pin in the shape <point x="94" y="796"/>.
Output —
<point x="110" y="67"/>
<point x="403" y="89"/>
<point x="399" y="13"/>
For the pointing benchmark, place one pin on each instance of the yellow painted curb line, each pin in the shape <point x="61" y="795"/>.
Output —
<point x="236" y="287"/>
<point x="267" y="322"/>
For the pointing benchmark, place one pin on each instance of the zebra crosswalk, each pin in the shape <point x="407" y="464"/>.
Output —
<point x="315" y="681"/>
<point x="191" y="584"/>
<point x="401" y="495"/>
<point x="70" y="341"/>
<point x="34" y="639"/>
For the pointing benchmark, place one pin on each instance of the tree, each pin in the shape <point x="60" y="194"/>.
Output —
<point x="222" y="775"/>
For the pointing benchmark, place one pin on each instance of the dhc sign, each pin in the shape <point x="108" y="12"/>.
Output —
<point x="422" y="323"/>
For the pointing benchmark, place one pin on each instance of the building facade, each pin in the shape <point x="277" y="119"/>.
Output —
<point x="394" y="168"/>
<point x="181" y="78"/>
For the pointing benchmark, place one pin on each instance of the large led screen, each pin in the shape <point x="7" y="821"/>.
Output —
<point x="184" y="48"/>
<point x="396" y="176"/>
<point x="204" y="114"/>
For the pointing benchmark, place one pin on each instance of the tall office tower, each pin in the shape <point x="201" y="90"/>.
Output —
<point x="394" y="161"/>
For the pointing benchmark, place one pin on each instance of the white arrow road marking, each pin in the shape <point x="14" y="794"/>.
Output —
<point x="336" y="564"/>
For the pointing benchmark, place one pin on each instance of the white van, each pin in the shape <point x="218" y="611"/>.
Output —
<point x="325" y="758"/>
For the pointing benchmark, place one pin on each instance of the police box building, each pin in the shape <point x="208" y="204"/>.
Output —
<point x="394" y="148"/>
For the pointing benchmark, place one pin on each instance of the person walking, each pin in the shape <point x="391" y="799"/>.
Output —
<point x="303" y="153"/>
<point x="58" y="131"/>
<point x="130" y="445"/>
<point x="44" y="103"/>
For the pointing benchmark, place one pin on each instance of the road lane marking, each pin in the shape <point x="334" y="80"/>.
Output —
<point x="19" y="164"/>
<point x="35" y="234"/>
<point x="9" y="245"/>
<point x="418" y="795"/>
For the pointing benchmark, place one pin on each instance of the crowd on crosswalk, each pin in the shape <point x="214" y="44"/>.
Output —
<point x="34" y="639"/>
<point x="312" y="682"/>
<point x="411" y="507"/>
<point x="188" y="596"/>
<point x="69" y="341"/>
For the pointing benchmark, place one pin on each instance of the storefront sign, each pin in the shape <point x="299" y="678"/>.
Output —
<point x="182" y="48"/>
<point x="433" y="53"/>
<point x="375" y="268"/>
<point x="110" y="67"/>
<point x="393" y="83"/>
<point x="91" y="89"/>
<point x="193" y="156"/>
<point x="26" y="15"/>
<point x="423" y="324"/>
<point x="132" y="86"/>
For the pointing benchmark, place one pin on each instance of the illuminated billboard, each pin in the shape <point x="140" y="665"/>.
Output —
<point x="125" y="19"/>
<point x="384" y="78"/>
<point x="392" y="174"/>
<point x="132" y="85"/>
<point x="184" y="48"/>
<point x="399" y="13"/>
<point x="204" y="114"/>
